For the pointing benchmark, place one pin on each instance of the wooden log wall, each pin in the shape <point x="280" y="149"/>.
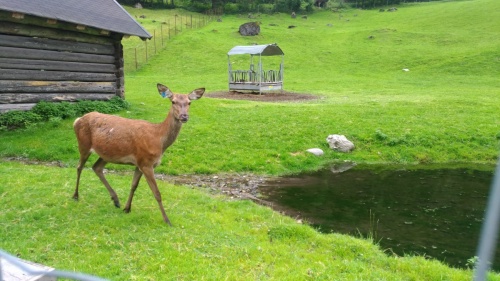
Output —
<point x="39" y="63"/>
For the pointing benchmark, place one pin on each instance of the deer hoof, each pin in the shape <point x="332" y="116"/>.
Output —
<point x="126" y="210"/>
<point x="117" y="203"/>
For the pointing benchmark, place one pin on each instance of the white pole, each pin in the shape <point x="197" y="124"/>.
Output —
<point x="489" y="231"/>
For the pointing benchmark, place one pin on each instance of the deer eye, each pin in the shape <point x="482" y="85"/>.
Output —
<point x="173" y="102"/>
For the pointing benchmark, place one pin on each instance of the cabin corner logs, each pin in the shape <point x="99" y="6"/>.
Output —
<point x="52" y="64"/>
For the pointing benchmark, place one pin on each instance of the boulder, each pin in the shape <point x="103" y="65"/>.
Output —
<point x="250" y="29"/>
<point x="138" y="5"/>
<point x="316" y="151"/>
<point x="340" y="143"/>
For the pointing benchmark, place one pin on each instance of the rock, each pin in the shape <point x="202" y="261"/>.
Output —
<point x="250" y="29"/>
<point x="316" y="151"/>
<point x="339" y="143"/>
<point x="138" y="5"/>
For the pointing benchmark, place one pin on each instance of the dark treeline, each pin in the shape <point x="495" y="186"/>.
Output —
<point x="228" y="6"/>
<point x="264" y="6"/>
<point x="367" y="4"/>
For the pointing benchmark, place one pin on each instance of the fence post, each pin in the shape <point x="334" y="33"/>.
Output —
<point x="146" y="43"/>
<point x="168" y="29"/>
<point x="154" y="39"/>
<point x="135" y="51"/>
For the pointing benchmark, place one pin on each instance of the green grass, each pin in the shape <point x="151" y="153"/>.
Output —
<point x="444" y="110"/>
<point x="213" y="238"/>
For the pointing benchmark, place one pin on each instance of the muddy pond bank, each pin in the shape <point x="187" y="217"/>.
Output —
<point x="432" y="211"/>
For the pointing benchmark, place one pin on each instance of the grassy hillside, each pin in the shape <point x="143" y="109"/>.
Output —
<point x="445" y="109"/>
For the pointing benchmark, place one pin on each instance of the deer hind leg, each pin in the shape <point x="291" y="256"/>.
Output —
<point x="135" y="183"/>
<point x="150" y="177"/>
<point x="99" y="170"/>
<point x="83" y="159"/>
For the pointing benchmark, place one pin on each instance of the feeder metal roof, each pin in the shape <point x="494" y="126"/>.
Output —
<point x="263" y="50"/>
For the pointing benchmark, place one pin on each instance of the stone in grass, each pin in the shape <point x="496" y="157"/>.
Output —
<point x="340" y="143"/>
<point x="250" y="29"/>
<point x="316" y="151"/>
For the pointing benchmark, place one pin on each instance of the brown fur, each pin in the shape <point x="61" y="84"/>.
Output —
<point x="134" y="142"/>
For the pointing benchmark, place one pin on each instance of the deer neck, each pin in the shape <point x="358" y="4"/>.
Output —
<point x="170" y="129"/>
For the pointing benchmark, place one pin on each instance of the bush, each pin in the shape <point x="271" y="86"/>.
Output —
<point x="18" y="119"/>
<point x="55" y="112"/>
<point x="46" y="110"/>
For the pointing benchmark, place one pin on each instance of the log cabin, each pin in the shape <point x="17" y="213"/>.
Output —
<point x="62" y="50"/>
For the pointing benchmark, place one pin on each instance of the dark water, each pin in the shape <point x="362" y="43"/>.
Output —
<point x="427" y="211"/>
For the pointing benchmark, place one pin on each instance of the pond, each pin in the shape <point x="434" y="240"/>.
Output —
<point x="429" y="211"/>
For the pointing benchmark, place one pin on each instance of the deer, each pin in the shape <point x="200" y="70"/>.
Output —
<point x="126" y="141"/>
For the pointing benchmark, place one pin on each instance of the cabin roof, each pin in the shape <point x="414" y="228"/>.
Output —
<point x="263" y="50"/>
<point x="101" y="14"/>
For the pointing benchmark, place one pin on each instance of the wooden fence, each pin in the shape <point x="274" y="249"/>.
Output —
<point x="135" y="57"/>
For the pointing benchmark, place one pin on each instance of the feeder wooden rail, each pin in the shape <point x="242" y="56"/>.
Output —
<point x="244" y="76"/>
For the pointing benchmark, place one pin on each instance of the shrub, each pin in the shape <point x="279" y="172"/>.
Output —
<point x="47" y="110"/>
<point x="55" y="112"/>
<point x="18" y="119"/>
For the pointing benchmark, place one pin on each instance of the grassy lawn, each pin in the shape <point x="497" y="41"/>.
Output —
<point x="443" y="110"/>
<point x="213" y="237"/>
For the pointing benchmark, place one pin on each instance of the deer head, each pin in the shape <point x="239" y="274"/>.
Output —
<point x="180" y="103"/>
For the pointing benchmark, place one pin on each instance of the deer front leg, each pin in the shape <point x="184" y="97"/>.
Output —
<point x="135" y="183"/>
<point x="98" y="169"/>
<point x="150" y="177"/>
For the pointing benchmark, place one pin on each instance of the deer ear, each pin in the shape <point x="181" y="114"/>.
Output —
<point x="164" y="91"/>
<point x="196" y="94"/>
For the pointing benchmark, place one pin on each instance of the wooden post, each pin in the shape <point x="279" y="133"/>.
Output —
<point x="168" y="29"/>
<point x="135" y="49"/>
<point x="154" y="39"/>
<point x="146" y="44"/>
<point x="161" y="34"/>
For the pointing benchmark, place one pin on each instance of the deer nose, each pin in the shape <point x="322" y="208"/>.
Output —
<point x="183" y="118"/>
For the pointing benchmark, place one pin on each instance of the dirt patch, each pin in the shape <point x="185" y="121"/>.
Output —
<point x="275" y="96"/>
<point x="236" y="186"/>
